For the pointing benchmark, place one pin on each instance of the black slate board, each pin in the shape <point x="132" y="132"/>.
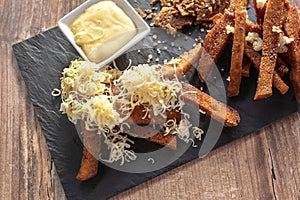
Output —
<point x="41" y="60"/>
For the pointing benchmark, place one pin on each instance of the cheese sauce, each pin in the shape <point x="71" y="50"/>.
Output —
<point x="102" y="30"/>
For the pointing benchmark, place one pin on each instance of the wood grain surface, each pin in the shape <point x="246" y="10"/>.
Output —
<point x="264" y="165"/>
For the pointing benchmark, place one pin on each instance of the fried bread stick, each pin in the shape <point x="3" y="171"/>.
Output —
<point x="216" y="18"/>
<point x="217" y="110"/>
<point x="169" y="141"/>
<point x="237" y="53"/>
<point x="182" y="63"/>
<point x="214" y="44"/>
<point x="238" y="5"/>
<point x="273" y="17"/>
<point x="281" y="67"/>
<point x="291" y="28"/>
<point x="91" y="150"/>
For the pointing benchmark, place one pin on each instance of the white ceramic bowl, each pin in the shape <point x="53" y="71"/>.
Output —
<point x="142" y="28"/>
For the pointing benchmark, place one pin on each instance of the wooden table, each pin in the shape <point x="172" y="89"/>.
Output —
<point x="264" y="165"/>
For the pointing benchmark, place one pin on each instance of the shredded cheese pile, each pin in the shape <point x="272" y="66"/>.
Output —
<point x="254" y="39"/>
<point x="87" y="95"/>
<point x="145" y="85"/>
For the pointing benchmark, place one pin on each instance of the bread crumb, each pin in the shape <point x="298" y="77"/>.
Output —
<point x="149" y="16"/>
<point x="178" y="13"/>
<point x="170" y="18"/>
<point x="200" y="40"/>
<point x="153" y="2"/>
<point x="141" y="13"/>
<point x="148" y="11"/>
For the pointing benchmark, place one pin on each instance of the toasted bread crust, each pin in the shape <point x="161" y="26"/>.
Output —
<point x="216" y="18"/>
<point x="141" y="13"/>
<point x="191" y="56"/>
<point x="183" y="62"/>
<point x="238" y="5"/>
<point x="286" y="58"/>
<point x="281" y="67"/>
<point x="217" y="110"/>
<point x="291" y="28"/>
<point x="251" y="27"/>
<point x="273" y="17"/>
<point x="217" y="38"/>
<point x="237" y="53"/>
<point x="169" y="141"/>
<point x="246" y="67"/>
<point x="152" y="135"/>
<point x="138" y="117"/>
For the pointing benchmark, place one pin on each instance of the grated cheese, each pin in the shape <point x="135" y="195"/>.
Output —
<point x="151" y="160"/>
<point x="56" y="92"/>
<point x="283" y="41"/>
<point x="229" y="29"/>
<point x="198" y="132"/>
<point x="87" y="95"/>
<point x="255" y="40"/>
<point x="145" y="85"/>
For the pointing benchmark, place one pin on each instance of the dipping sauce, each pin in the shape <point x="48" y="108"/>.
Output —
<point x="101" y="30"/>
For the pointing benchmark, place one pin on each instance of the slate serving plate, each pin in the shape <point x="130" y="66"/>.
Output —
<point x="41" y="60"/>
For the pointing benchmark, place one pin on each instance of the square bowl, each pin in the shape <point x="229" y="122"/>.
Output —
<point x="142" y="28"/>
